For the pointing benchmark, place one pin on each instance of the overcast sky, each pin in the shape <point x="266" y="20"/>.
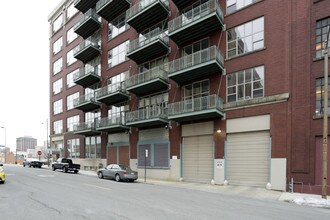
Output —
<point x="24" y="74"/>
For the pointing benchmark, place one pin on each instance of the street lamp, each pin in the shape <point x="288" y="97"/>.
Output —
<point x="5" y="142"/>
<point x="325" y="121"/>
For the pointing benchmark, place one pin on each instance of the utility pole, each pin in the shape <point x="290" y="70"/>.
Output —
<point x="325" y="123"/>
<point x="5" y="142"/>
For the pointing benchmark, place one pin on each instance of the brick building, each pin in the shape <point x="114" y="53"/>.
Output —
<point x="229" y="91"/>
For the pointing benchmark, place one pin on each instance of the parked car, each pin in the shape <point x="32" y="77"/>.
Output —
<point x="31" y="162"/>
<point x="117" y="172"/>
<point x="65" y="165"/>
<point x="2" y="174"/>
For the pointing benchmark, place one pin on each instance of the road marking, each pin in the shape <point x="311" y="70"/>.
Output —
<point x="46" y="175"/>
<point x="99" y="187"/>
<point x="10" y="174"/>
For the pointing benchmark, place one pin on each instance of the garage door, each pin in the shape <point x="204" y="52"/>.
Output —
<point x="248" y="158"/>
<point x="118" y="155"/>
<point x="197" y="158"/>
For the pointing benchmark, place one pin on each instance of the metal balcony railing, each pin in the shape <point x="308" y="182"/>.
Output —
<point x="87" y="70"/>
<point x="90" y="41"/>
<point x="111" y="88"/>
<point x="112" y="120"/>
<point x="89" y="14"/>
<point x="147" y="39"/>
<point x="195" y="105"/>
<point x="141" y="5"/>
<point x="82" y="126"/>
<point x="146" y="76"/>
<point x="84" y="99"/>
<point x="152" y="112"/>
<point x="202" y="56"/>
<point x="196" y="13"/>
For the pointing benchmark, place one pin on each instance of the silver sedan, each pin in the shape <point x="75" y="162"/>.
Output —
<point x="118" y="172"/>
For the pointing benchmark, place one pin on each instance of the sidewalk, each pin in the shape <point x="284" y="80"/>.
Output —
<point x="245" y="191"/>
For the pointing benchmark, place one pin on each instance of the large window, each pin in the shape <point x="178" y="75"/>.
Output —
<point x="69" y="78"/>
<point x="195" y="47"/>
<point x="69" y="100"/>
<point x="162" y="61"/>
<point x="153" y="102"/>
<point x="93" y="147"/>
<point x="70" y="58"/>
<point x="245" y="38"/>
<point x="70" y="122"/>
<point x="57" y="66"/>
<point x="320" y="97"/>
<point x="57" y="127"/>
<point x="57" y="23"/>
<point x="71" y="11"/>
<point x="71" y="35"/>
<point x="57" y="46"/>
<point x="233" y="5"/>
<point x="57" y="107"/>
<point x="158" y="155"/>
<point x="117" y="26"/>
<point x="57" y="86"/>
<point x="118" y="54"/>
<point x="74" y="148"/>
<point x="245" y="84"/>
<point x="322" y="28"/>
<point x="196" y="90"/>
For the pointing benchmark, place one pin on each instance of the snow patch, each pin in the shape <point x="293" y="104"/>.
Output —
<point x="315" y="202"/>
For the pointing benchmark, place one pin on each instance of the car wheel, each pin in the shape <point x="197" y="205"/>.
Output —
<point x="76" y="171"/>
<point x="53" y="168"/>
<point x="23" y="165"/>
<point x="30" y="166"/>
<point x="65" y="170"/>
<point x="131" y="181"/>
<point x="117" y="178"/>
<point x="100" y="175"/>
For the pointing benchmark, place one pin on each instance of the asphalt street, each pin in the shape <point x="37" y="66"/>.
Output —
<point x="33" y="193"/>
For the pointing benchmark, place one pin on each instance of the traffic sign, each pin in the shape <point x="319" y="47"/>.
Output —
<point x="39" y="152"/>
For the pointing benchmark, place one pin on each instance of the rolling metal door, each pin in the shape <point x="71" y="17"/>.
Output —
<point x="248" y="158"/>
<point x="112" y="155"/>
<point x="197" y="156"/>
<point x="124" y="155"/>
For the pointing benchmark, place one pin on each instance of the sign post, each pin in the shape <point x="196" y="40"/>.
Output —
<point x="145" y="165"/>
<point x="39" y="154"/>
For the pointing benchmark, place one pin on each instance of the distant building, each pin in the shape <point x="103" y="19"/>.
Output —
<point x="25" y="143"/>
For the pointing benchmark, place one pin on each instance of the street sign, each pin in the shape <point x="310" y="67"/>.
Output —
<point x="39" y="152"/>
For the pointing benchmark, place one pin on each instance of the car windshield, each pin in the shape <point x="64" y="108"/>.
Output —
<point x="125" y="168"/>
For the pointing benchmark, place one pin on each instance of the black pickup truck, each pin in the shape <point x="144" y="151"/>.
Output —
<point x="65" y="165"/>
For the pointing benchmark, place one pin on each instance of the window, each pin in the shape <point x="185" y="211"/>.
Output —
<point x="57" y="127"/>
<point x="245" y="84"/>
<point x="320" y="97"/>
<point x="57" y="23"/>
<point x="195" y="47"/>
<point x="71" y="35"/>
<point x="162" y="61"/>
<point x="93" y="147"/>
<point x="117" y="26"/>
<point x="70" y="122"/>
<point x="116" y="114"/>
<point x="74" y="148"/>
<point x="57" y="66"/>
<point x="70" y="58"/>
<point x="233" y="5"/>
<point x="158" y="155"/>
<point x="57" y="86"/>
<point x="57" y="46"/>
<point x="91" y="116"/>
<point x="69" y="100"/>
<point x="69" y="78"/>
<point x="245" y="38"/>
<point x="193" y="93"/>
<point x="117" y="55"/>
<point x="71" y="11"/>
<point x="322" y="28"/>
<point x="57" y="107"/>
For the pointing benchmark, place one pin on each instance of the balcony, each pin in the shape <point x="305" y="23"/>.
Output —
<point x="155" y="79"/>
<point x="148" y="46"/>
<point x="196" y="109"/>
<point x="110" y="9"/>
<point x="87" y="50"/>
<point x="86" y="128"/>
<point x="196" y="65"/>
<point x="146" y="13"/>
<point x="196" y="23"/>
<point x="87" y="24"/>
<point x="86" y="103"/>
<point x="84" y="5"/>
<point x="87" y="76"/>
<point x="180" y="4"/>
<point x="112" y="94"/>
<point x="149" y="116"/>
<point x="113" y="123"/>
